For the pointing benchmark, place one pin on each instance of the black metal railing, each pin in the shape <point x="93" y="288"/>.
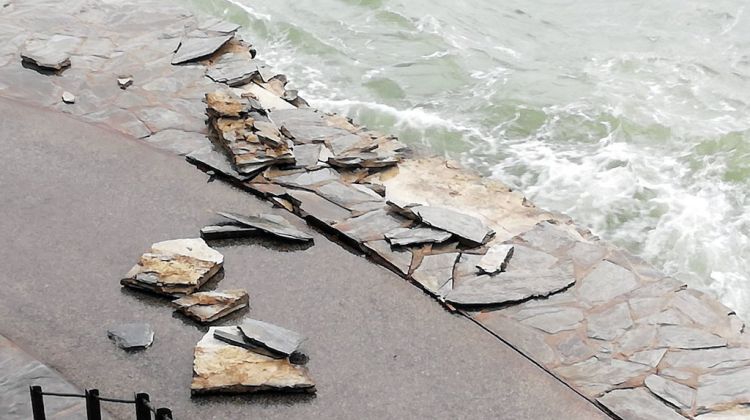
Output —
<point x="143" y="407"/>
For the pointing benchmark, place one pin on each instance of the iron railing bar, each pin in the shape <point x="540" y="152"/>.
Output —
<point x="59" y="394"/>
<point x="117" y="400"/>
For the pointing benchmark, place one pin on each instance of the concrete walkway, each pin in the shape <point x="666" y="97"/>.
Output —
<point x="80" y="203"/>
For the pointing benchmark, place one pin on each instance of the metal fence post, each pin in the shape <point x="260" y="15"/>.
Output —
<point x="93" y="409"/>
<point x="37" y="402"/>
<point x="142" y="411"/>
<point x="163" y="414"/>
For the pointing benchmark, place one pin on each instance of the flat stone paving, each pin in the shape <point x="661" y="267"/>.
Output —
<point x="378" y="347"/>
<point x="597" y="317"/>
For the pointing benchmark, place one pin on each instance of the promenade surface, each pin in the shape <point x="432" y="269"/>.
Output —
<point x="80" y="203"/>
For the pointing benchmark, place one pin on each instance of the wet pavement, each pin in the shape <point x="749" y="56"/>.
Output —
<point x="81" y="202"/>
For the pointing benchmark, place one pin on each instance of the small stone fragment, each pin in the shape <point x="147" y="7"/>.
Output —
<point x="679" y="395"/>
<point x="134" y="336"/>
<point x="68" y="97"/>
<point x="226" y="231"/>
<point x="271" y="337"/>
<point x="465" y="227"/>
<point x="175" y="267"/>
<point x="420" y="235"/>
<point x="223" y="367"/>
<point x="496" y="259"/>
<point x="269" y="223"/>
<point x="210" y="306"/>
<point x="638" y="404"/>
<point x="124" y="82"/>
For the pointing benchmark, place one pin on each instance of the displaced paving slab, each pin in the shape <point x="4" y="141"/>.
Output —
<point x="207" y="307"/>
<point x="131" y="336"/>
<point x="220" y="367"/>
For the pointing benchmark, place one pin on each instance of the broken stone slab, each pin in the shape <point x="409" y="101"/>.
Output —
<point x="312" y="206"/>
<point x="176" y="267"/>
<point x="308" y="178"/>
<point x="271" y="337"/>
<point x="198" y="44"/>
<point x="467" y="228"/>
<point x="224" y="103"/>
<point x="269" y="223"/>
<point x="398" y="259"/>
<point x="648" y="357"/>
<point x="435" y="272"/>
<point x="677" y="394"/>
<point x="228" y="231"/>
<point x="682" y="337"/>
<point x="370" y="226"/>
<point x="233" y="70"/>
<point x="209" y="306"/>
<point x="637" y="404"/>
<point x="46" y="54"/>
<point x="218" y="25"/>
<point x="68" y="97"/>
<point x="510" y="286"/>
<point x="220" y="367"/>
<point x="350" y="197"/>
<point x="132" y="336"/>
<point x="496" y="259"/>
<point x="237" y="339"/>
<point x="209" y="157"/>
<point x="419" y="235"/>
<point x="723" y="389"/>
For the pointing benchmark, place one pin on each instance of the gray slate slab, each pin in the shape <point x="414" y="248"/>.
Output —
<point x="637" y="404"/>
<point x="226" y="231"/>
<point x="435" y="272"/>
<point x="132" y="336"/>
<point x="468" y="228"/>
<point x="196" y="45"/>
<point x="233" y="70"/>
<point x="496" y="259"/>
<point x="724" y="388"/>
<point x="682" y="337"/>
<point x="271" y="337"/>
<point x="210" y="157"/>
<point x="677" y="394"/>
<point x="370" y="226"/>
<point x="510" y="287"/>
<point x="270" y="223"/>
<point x="419" y="235"/>
<point x="397" y="258"/>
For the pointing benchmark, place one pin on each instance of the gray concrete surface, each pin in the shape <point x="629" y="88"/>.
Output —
<point x="80" y="204"/>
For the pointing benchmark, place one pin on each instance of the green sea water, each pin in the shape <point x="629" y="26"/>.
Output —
<point x="633" y="117"/>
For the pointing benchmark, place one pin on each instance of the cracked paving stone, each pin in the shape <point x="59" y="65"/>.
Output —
<point x="530" y="341"/>
<point x="271" y="337"/>
<point x="468" y="228"/>
<point x="637" y="404"/>
<point x="350" y="197"/>
<point x="398" y="258"/>
<point x="510" y="286"/>
<point x="724" y="389"/>
<point x="312" y="206"/>
<point x="197" y="44"/>
<point x="178" y="141"/>
<point x="648" y="357"/>
<point x="681" y="337"/>
<point x="606" y="282"/>
<point x="219" y="367"/>
<point x="419" y="235"/>
<point x="133" y="336"/>
<point x="209" y="306"/>
<point x="594" y="376"/>
<point x="496" y="259"/>
<point x="370" y="226"/>
<point x="176" y="267"/>
<point x="610" y="323"/>
<point x="233" y="70"/>
<point x="307" y="178"/>
<point x="718" y="358"/>
<point x="679" y="395"/>
<point x="269" y="223"/>
<point x="435" y="272"/>
<point x="226" y="231"/>
<point x="550" y="319"/>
